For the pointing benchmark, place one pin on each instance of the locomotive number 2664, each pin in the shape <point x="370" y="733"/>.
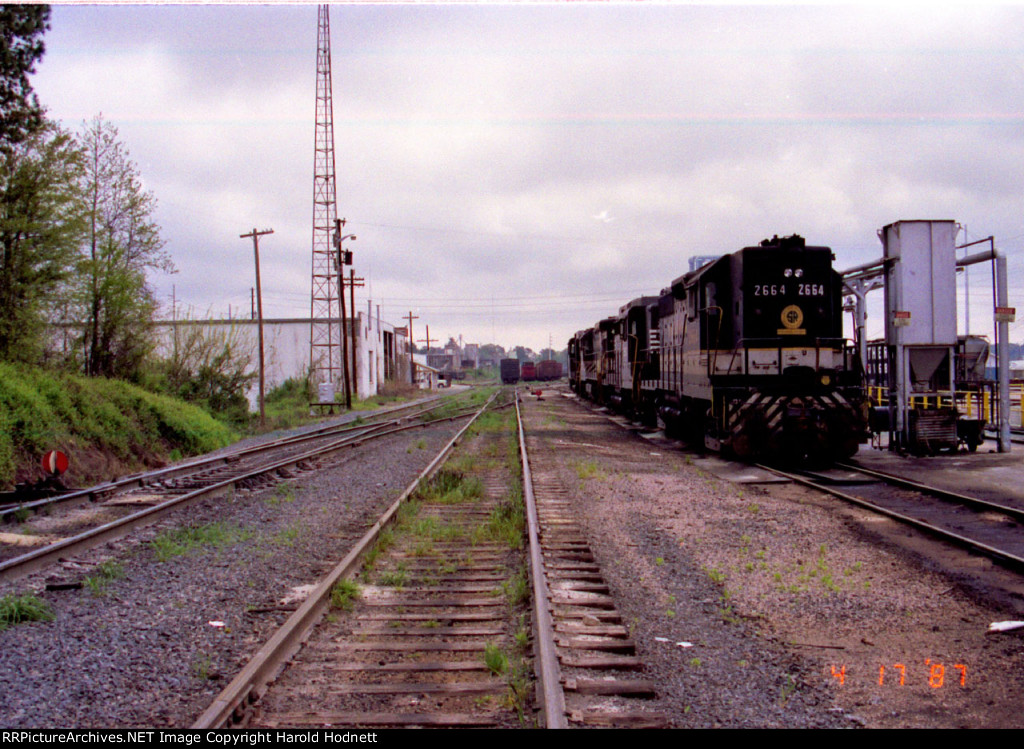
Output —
<point x="803" y="289"/>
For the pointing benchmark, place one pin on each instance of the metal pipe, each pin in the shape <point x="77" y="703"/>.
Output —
<point x="873" y="265"/>
<point x="1003" y="373"/>
<point x="1002" y="334"/>
<point x="978" y="257"/>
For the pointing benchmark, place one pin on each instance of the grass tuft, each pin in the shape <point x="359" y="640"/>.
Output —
<point x="495" y="659"/>
<point x="106" y="572"/>
<point x="27" y="608"/>
<point x="181" y="541"/>
<point x="343" y="594"/>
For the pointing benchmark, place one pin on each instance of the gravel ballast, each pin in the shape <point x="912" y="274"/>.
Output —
<point x="770" y="606"/>
<point x="753" y="606"/>
<point x="149" y="640"/>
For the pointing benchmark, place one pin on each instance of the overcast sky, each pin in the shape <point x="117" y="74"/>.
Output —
<point x="516" y="172"/>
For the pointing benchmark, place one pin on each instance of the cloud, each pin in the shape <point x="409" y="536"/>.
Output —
<point x="480" y="149"/>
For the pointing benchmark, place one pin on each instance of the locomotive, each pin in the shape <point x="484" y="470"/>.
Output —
<point x="745" y="354"/>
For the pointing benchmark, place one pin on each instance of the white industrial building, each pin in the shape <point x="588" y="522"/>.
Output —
<point x="381" y="348"/>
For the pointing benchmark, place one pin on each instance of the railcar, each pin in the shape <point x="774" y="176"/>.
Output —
<point x="509" y="371"/>
<point x="528" y="371"/>
<point x="549" y="369"/>
<point x="745" y="355"/>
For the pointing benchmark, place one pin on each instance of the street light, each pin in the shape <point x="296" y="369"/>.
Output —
<point x="344" y="256"/>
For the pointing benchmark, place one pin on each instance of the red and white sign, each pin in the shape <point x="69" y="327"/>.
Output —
<point x="55" y="462"/>
<point x="901" y="318"/>
<point x="1006" y="314"/>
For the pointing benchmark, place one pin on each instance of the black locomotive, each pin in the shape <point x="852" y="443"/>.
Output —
<point x="745" y="355"/>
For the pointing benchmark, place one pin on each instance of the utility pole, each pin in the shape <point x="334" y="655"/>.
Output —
<point x="343" y="258"/>
<point x="259" y="306"/>
<point x="427" y="341"/>
<point x="174" y="319"/>
<point x="352" y="283"/>
<point x="412" y="347"/>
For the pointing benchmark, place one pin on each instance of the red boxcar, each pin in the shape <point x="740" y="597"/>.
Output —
<point x="549" y="369"/>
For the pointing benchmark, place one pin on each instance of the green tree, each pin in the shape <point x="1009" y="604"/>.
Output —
<point x="122" y="244"/>
<point x="41" y="226"/>
<point x="524" y="354"/>
<point x="21" y="46"/>
<point x="491" y="351"/>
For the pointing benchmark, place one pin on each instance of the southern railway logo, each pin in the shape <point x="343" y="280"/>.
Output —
<point x="792" y="319"/>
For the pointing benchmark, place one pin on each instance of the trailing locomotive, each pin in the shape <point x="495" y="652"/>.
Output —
<point x="745" y="355"/>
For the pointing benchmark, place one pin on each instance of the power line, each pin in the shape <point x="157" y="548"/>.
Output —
<point x="481" y="233"/>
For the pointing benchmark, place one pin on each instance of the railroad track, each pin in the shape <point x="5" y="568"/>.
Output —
<point x="200" y="469"/>
<point x="986" y="527"/>
<point x="431" y="624"/>
<point x="597" y="664"/>
<point x="161" y="492"/>
<point x="982" y="526"/>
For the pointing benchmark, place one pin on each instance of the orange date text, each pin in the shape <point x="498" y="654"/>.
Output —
<point x="935" y="675"/>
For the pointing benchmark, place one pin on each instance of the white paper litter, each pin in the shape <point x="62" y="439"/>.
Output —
<point x="1004" y="626"/>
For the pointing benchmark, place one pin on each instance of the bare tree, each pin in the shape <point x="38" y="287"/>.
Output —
<point x="123" y="243"/>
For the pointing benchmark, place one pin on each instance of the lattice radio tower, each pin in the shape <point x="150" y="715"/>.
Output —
<point x="324" y="337"/>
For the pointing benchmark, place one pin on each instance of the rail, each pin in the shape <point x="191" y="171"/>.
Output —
<point x="94" y="493"/>
<point x="547" y="669"/>
<point x="246" y="688"/>
<point x="951" y="533"/>
<point x="40" y="558"/>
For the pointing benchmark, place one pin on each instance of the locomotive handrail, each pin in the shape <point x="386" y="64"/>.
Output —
<point x="844" y="342"/>
<point x="745" y="344"/>
<point x="718" y="333"/>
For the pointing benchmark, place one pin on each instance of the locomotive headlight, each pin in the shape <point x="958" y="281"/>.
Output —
<point x="788" y="272"/>
<point x="799" y="273"/>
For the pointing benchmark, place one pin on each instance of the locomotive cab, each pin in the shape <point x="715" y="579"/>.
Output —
<point x="784" y="399"/>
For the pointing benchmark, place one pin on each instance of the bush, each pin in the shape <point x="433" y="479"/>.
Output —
<point x="41" y="410"/>
<point x="209" y="366"/>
